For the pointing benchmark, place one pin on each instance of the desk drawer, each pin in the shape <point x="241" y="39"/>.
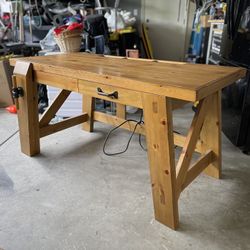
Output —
<point x="124" y="96"/>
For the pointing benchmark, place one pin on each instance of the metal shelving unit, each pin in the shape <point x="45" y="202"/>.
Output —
<point x="214" y="42"/>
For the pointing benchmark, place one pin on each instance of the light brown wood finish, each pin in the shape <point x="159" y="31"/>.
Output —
<point x="54" y="107"/>
<point x="189" y="82"/>
<point x="125" y="96"/>
<point x="88" y="106"/>
<point x="155" y="86"/>
<point x="179" y="140"/>
<point x="115" y="121"/>
<point x="27" y="109"/>
<point x="211" y="134"/>
<point x="190" y="144"/>
<point x="56" y="80"/>
<point x="160" y="144"/>
<point x="198" y="167"/>
<point x="66" y="123"/>
<point x="121" y="111"/>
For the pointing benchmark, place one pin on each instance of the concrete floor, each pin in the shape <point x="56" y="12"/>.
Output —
<point x="72" y="196"/>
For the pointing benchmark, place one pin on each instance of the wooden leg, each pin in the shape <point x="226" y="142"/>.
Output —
<point x="211" y="134"/>
<point x="121" y="111"/>
<point x="88" y="107"/>
<point x="27" y="109"/>
<point x="160" y="143"/>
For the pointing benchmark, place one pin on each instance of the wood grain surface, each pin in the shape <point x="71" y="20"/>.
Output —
<point x="183" y="81"/>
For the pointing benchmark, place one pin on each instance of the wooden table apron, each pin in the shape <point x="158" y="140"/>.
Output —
<point x="168" y="179"/>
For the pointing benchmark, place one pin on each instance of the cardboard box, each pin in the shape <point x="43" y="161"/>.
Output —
<point x="204" y="21"/>
<point x="5" y="83"/>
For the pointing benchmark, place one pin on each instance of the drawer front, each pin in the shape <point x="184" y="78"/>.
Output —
<point x="124" y="96"/>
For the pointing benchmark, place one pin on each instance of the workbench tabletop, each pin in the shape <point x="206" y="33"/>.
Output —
<point x="185" y="81"/>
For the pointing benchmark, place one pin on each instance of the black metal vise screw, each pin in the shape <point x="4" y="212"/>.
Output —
<point x="17" y="92"/>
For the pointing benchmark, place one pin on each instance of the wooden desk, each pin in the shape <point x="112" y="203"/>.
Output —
<point x="147" y="84"/>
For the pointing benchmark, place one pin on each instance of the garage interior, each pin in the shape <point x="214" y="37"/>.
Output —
<point x="84" y="190"/>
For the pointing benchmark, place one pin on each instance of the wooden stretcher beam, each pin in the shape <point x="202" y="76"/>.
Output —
<point x="115" y="121"/>
<point x="179" y="140"/>
<point x="67" y="123"/>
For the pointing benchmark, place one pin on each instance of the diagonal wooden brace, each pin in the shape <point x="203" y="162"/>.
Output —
<point x="47" y="129"/>
<point x="190" y="144"/>
<point x="54" y="107"/>
<point x="67" y="123"/>
<point x="197" y="168"/>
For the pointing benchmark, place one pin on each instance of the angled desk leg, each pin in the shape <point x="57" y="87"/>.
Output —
<point x="88" y="106"/>
<point x="27" y="106"/>
<point x="211" y="134"/>
<point x="159" y="133"/>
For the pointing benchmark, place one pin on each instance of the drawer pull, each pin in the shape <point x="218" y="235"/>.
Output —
<point x="113" y="95"/>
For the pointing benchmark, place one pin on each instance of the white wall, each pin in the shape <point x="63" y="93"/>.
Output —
<point x="169" y="26"/>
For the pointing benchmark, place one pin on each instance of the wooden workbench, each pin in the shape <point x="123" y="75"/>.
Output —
<point x="157" y="87"/>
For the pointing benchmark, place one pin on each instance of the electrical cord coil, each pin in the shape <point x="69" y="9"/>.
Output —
<point x="6" y="140"/>
<point x="140" y="122"/>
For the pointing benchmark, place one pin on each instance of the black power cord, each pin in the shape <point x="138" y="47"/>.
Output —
<point x="6" y="140"/>
<point x="140" y="142"/>
<point x="140" y="122"/>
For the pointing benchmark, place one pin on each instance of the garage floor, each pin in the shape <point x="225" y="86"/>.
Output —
<point x="72" y="196"/>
